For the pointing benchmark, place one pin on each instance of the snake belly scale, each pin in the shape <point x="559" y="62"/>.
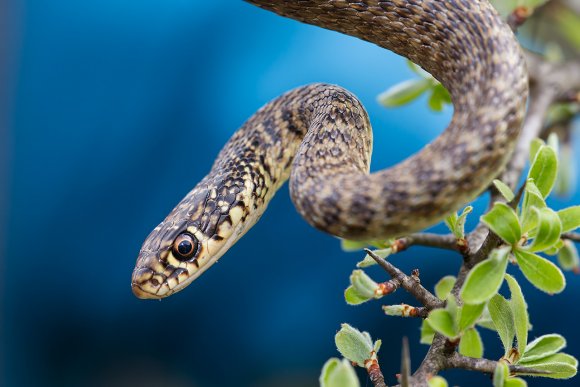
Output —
<point x="319" y="136"/>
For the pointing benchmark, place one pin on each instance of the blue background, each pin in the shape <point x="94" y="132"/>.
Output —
<point x="115" y="110"/>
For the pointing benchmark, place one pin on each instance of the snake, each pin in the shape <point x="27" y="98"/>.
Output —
<point x="319" y="138"/>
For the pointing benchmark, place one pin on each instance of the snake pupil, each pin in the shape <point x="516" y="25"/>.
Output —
<point x="185" y="246"/>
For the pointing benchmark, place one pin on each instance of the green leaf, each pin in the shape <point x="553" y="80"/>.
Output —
<point x="451" y="223"/>
<point x="503" y="220"/>
<point x="553" y="142"/>
<point x="542" y="273"/>
<point x="471" y="344"/>
<point x="535" y="146"/>
<point x="504" y="190"/>
<point x="348" y="245"/>
<point x="567" y="24"/>
<point x="439" y="97"/>
<point x="437" y="381"/>
<point x="500" y="374"/>
<point x="533" y="200"/>
<point x="520" y="312"/>
<point x="557" y="366"/>
<point x="568" y="257"/>
<point x="460" y="225"/>
<point x="548" y="231"/>
<point x="444" y="286"/>
<point x="427" y="333"/>
<point x="456" y="223"/>
<point x="544" y="169"/>
<point x="515" y="382"/>
<point x="352" y="297"/>
<point x="502" y="317"/>
<point x="404" y="92"/>
<point x="442" y="321"/>
<point x="418" y="70"/>
<point x="543" y="346"/>
<point x="469" y="314"/>
<point x="453" y="309"/>
<point x="337" y="373"/>
<point x="570" y="218"/>
<point x="353" y="344"/>
<point x="485" y="320"/>
<point x="369" y="261"/>
<point x="485" y="279"/>
<point x="363" y="284"/>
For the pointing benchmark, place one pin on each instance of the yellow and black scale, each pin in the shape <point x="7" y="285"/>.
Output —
<point x="320" y="137"/>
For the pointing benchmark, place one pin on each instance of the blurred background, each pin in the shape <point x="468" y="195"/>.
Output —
<point x="110" y="113"/>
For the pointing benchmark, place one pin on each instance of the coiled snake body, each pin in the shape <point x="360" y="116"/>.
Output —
<point x="320" y="136"/>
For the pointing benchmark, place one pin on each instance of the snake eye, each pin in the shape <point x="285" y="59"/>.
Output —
<point x="185" y="246"/>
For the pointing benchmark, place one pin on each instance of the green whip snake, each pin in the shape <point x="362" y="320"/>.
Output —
<point x="319" y="136"/>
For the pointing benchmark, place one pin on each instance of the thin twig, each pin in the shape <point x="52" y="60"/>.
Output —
<point x="485" y="365"/>
<point x="573" y="236"/>
<point x="410" y="284"/>
<point x="374" y="370"/>
<point x="448" y="241"/>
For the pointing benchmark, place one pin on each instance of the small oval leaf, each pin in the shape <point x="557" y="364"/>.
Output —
<point x="557" y="366"/>
<point x="404" y="92"/>
<point x="442" y="321"/>
<point x="544" y="169"/>
<point x="469" y="314"/>
<point x="444" y="286"/>
<point x="543" y="346"/>
<point x="542" y="273"/>
<point x="352" y="297"/>
<point x="504" y="190"/>
<point x="337" y="373"/>
<point x="353" y="344"/>
<point x="568" y="257"/>
<point x="570" y="218"/>
<point x="471" y="344"/>
<point x="503" y="220"/>
<point x="520" y="313"/>
<point x="503" y="320"/>
<point x="485" y="279"/>
<point x="548" y="231"/>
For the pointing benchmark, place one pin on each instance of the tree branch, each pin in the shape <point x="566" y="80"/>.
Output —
<point x="548" y="83"/>
<point x="410" y="284"/>
<point x="484" y="365"/>
<point x="573" y="236"/>
<point x="448" y="241"/>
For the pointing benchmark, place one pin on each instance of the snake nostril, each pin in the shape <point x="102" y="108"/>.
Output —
<point x="154" y="282"/>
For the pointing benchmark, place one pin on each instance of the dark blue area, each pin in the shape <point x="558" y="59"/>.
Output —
<point x="119" y="109"/>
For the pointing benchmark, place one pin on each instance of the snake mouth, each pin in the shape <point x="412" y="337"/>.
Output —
<point x="141" y="293"/>
<point x="148" y="284"/>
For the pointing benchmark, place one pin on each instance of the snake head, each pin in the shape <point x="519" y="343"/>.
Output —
<point x="191" y="239"/>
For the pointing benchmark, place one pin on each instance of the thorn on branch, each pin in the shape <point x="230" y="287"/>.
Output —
<point x="405" y="376"/>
